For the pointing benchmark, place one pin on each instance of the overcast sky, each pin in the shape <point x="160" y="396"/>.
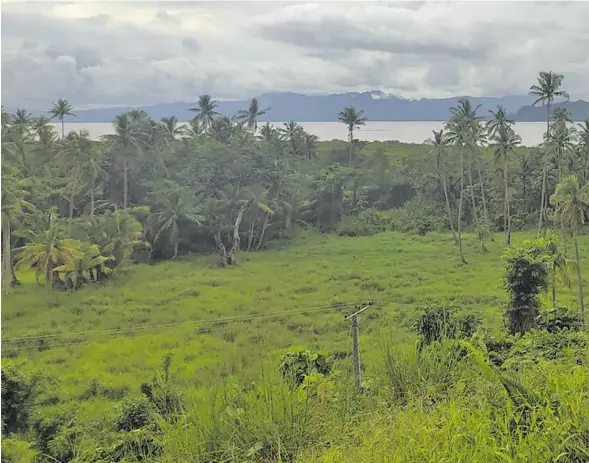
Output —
<point x="104" y="54"/>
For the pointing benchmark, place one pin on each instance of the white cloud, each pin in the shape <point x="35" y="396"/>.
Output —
<point x="142" y="52"/>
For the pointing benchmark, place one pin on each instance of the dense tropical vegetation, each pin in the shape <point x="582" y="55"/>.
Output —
<point x="488" y="337"/>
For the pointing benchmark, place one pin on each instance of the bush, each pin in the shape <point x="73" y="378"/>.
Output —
<point x="18" y="451"/>
<point x="296" y="366"/>
<point x="134" y="413"/>
<point x="559" y="319"/>
<point x="436" y="323"/>
<point x="367" y="223"/>
<point x="420" y="215"/>
<point x="22" y="386"/>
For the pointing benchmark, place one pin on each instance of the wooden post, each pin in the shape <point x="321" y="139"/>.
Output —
<point x="356" y="349"/>
<point x="356" y="346"/>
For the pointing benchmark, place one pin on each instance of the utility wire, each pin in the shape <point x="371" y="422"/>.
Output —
<point x="170" y="325"/>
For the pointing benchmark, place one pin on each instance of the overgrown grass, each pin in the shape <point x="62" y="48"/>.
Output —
<point x="424" y="405"/>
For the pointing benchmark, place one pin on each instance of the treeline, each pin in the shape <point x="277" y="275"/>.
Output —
<point x="76" y="209"/>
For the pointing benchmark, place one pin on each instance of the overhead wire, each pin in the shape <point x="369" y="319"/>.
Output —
<point x="196" y="323"/>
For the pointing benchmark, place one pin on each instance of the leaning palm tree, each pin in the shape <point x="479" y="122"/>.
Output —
<point x="61" y="109"/>
<point x="354" y="119"/>
<point x="571" y="201"/>
<point x="250" y="116"/>
<point x="174" y="206"/>
<point x="560" y="267"/>
<point x="205" y="112"/>
<point x="505" y="140"/>
<point x="440" y="143"/>
<point x="546" y="90"/>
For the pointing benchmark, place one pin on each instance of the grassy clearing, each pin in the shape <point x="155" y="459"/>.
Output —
<point x="400" y="271"/>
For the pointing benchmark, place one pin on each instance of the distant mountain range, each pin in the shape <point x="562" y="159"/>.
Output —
<point x="377" y="106"/>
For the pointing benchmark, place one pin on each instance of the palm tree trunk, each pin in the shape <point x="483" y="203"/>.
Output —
<point x="448" y="207"/>
<point x="543" y="198"/>
<point x="72" y="205"/>
<point x="91" y="200"/>
<point x="7" y="257"/>
<point x="483" y="197"/>
<point x="579" y="278"/>
<point x="459" y="223"/>
<point x="472" y="200"/>
<point x="264" y="226"/>
<point x="506" y="212"/>
<point x="351" y="140"/>
<point x="250" y="237"/>
<point x="553" y="287"/>
<point x="125" y="184"/>
<point x="62" y="129"/>
<point x="175" y="249"/>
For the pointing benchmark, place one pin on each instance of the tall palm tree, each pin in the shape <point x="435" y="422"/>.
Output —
<point x="583" y="148"/>
<point x="292" y="134"/>
<point x="440" y="143"/>
<point x="560" y="267"/>
<point x="571" y="201"/>
<point x="126" y="143"/>
<point x="21" y="122"/>
<point x="250" y="116"/>
<point x="171" y="127"/>
<point x="546" y="90"/>
<point x="561" y="141"/>
<point x="268" y="132"/>
<point x="468" y="123"/>
<point x="175" y="206"/>
<point x="74" y="157"/>
<point x="14" y="208"/>
<point x="455" y="136"/>
<point x="309" y="143"/>
<point x="205" y="112"/>
<point x="354" y="119"/>
<point x="60" y="109"/>
<point x="505" y="140"/>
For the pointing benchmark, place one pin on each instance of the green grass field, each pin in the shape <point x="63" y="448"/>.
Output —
<point x="206" y="310"/>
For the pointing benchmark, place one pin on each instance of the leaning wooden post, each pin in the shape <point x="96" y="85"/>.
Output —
<point x="356" y="347"/>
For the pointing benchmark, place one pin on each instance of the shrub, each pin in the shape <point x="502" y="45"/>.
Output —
<point x="18" y="451"/>
<point x="367" y="223"/>
<point x="436" y="323"/>
<point x="134" y="413"/>
<point x="526" y="277"/>
<point x="295" y="366"/>
<point x="558" y="319"/>
<point x="22" y="386"/>
<point x="420" y="215"/>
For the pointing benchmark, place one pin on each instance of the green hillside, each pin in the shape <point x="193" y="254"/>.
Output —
<point x="96" y="347"/>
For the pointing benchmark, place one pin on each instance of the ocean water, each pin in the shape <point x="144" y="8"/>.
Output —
<point x="403" y="131"/>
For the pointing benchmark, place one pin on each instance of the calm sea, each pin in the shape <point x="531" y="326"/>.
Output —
<point x="406" y="132"/>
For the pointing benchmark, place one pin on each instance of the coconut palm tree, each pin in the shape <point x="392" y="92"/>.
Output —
<point x="354" y="119"/>
<point x="292" y="134"/>
<point x="505" y="140"/>
<point x="546" y="90"/>
<point x="464" y="114"/>
<point x="571" y="201"/>
<point x="50" y="250"/>
<point x="583" y="148"/>
<point x="175" y="206"/>
<point x="127" y="145"/>
<point x="14" y="208"/>
<point x="171" y="128"/>
<point x="440" y="143"/>
<point x="561" y="142"/>
<point x="205" y="112"/>
<point x="560" y="267"/>
<point x="455" y="135"/>
<point x="192" y="130"/>
<point x="60" y="109"/>
<point x="250" y="116"/>
<point x="309" y="145"/>
<point x="268" y="132"/>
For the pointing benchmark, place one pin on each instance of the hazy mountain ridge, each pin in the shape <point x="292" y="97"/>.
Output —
<point x="377" y="106"/>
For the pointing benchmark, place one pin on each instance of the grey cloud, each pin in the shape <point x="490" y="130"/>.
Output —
<point x="142" y="53"/>
<point x="191" y="45"/>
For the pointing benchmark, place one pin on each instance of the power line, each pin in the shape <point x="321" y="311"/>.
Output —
<point x="176" y="325"/>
